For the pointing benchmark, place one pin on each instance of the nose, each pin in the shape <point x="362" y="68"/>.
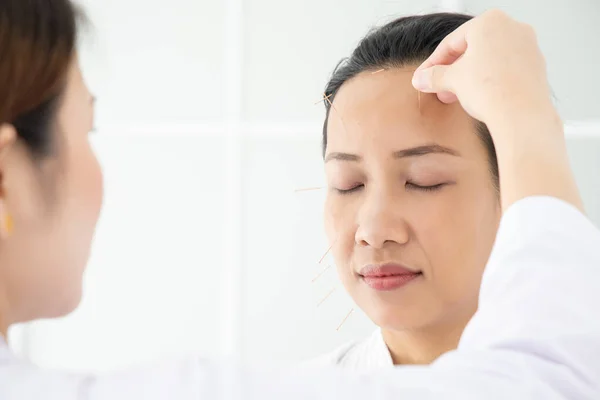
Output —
<point x="380" y="220"/>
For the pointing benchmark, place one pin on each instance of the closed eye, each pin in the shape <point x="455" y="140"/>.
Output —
<point x="413" y="186"/>
<point x="351" y="190"/>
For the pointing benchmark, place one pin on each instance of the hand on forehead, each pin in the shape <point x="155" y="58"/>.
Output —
<point x="384" y="106"/>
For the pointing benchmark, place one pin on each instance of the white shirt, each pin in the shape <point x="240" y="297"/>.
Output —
<point x="369" y="354"/>
<point x="536" y="335"/>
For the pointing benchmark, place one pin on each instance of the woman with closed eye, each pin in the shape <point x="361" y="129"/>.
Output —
<point x="414" y="197"/>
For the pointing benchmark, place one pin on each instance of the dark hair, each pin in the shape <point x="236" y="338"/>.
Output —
<point x="403" y="42"/>
<point x="37" y="46"/>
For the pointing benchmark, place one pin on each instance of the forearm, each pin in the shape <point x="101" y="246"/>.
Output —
<point x="532" y="155"/>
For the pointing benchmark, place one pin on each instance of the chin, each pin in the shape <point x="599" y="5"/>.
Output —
<point x="397" y="317"/>
<point x="69" y="301"/>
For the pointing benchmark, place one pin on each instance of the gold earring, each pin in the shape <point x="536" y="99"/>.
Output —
<point x="9" y="225"/>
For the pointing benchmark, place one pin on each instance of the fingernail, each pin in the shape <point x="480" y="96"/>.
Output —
<point x="422" y="79"/>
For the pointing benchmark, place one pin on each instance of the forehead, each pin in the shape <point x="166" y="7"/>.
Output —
<point x="380" y="111"/>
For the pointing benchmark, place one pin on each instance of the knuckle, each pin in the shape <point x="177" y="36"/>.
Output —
<point x="491" y="22"/>
<point x="526" y="33"/>
<point x="497" y="23"/>
<point x="528" y="30"/>
<point x="497" y="15"/>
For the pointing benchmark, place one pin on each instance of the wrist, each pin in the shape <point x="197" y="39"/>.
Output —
<point x="518" y="129"/>
<point x="532" y="155"/>
<point x="523" y="113"/>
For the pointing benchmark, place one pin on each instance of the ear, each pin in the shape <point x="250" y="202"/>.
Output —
<point x="8" y="137"/>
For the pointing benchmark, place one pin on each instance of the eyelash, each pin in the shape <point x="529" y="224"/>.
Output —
<point x="348" y="191"/>
<point x="432" y="188"/>
<point x="409" y="186"/>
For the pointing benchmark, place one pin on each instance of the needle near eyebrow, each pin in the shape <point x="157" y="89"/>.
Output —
<point x="308" y="189"/>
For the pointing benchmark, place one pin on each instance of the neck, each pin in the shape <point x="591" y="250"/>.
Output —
<point x="3" y="328"/>
<point x="423" y="346"/>
<point x="4" y="322"/>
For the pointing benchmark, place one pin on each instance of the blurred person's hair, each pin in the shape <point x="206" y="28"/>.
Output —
<point x="37" y="46"/>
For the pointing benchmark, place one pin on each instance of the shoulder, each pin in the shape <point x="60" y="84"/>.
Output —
<point x="369" y="353"/>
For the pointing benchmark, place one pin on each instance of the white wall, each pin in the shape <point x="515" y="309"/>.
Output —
<point x="567" y="31"/>
<point x="156" y="64"/>
<point x="179" y="134"/>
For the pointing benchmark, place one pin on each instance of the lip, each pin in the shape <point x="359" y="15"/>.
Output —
<point x="387" y="277"/>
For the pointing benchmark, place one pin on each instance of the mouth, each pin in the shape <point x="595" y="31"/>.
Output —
<point x="388" y="277"/>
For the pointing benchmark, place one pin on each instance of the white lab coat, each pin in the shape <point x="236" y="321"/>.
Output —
<point x="535" y="336"/>
<point x="367" y="355"/>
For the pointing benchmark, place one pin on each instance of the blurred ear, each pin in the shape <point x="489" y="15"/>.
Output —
<point x="8" y="136"/>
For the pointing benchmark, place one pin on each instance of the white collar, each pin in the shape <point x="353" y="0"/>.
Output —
<point x="5" y="352"/>
<point x="382" y="348"/>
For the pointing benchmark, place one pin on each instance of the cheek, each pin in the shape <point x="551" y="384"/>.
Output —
<point x="333" y="217"/>
<point x="340" y="227"/>
<point x="95" y="185"/>
<point x="82" y="200"/>
<point x="87" y="180"/>
<point x="434" y="222"/>
<point x="456" y="234"/>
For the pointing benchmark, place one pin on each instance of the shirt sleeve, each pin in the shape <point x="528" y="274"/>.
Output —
<point x="535" y="336"/>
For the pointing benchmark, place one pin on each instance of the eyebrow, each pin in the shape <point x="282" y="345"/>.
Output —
<point x="411" y="152"/>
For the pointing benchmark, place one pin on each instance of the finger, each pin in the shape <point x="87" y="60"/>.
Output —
<point x="447" y="97"/>
<point x="451" y="48"/>
<point x="433" y="79"/>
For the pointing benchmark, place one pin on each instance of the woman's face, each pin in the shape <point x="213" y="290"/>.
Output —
<point x="55" y="204"/>
<point x="410" y="189"/>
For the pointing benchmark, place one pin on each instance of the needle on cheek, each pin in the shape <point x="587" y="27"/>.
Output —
<point x="325" y="255"/>
<point x="320" y="274"/>
<point x="345" y="319"/>
<point x="326" y="297"/>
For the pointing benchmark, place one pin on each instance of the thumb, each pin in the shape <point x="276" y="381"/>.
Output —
<point x="433" y="79"/>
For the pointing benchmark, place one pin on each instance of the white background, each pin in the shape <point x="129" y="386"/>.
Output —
<point x="206" y="126"/>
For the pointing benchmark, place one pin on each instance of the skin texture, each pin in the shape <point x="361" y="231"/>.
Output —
<point x="446" y="232"/>
<point x="54" y="204"/>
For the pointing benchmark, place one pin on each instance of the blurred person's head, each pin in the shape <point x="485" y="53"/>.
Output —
<point x="409" y="187"/>
<point x="50" y="181"/>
